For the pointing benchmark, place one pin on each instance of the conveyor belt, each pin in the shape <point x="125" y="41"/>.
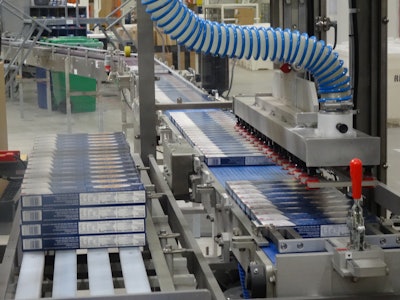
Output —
<point x="65" y="274"/>
<point x="30" y="276"/>
<point x="65" y="281"/>
<point x="271" y="194"/>
<point x="267" y="194"/>
<point x="170" y="88"/>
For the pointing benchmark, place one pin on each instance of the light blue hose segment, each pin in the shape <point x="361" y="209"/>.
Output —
<point x="280" y="46"/>
<point x="242" y="278"/>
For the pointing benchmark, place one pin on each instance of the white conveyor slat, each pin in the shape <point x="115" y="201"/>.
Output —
<point x="65" y="270"/>
<point x="134" y="271"/>
<point x="30" y="276"/>
<point x="99" y="271"/>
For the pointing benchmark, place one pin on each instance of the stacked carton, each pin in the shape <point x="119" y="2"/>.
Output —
<point x="313" y="213"/>
<point x="213" y="133"/>
<point x="82" y="191"/>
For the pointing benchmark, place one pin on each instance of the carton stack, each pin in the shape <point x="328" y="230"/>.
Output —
<point x="82" y="191"/>
<point x="213" y="133"/>
<point x="313" y="213"/>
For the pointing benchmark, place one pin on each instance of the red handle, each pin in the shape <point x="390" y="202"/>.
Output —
<point x="356" y="177"/>
<point x="8" y="155"/>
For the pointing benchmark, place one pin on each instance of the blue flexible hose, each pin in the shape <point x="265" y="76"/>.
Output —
<point x="280" y="46"/>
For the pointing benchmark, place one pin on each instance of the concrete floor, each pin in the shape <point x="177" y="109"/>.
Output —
<point x="37" y="121"/>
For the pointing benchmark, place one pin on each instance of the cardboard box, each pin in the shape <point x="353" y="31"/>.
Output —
<point x="81" y="213"/>
<point x="158" y="36"/>
<point x="132" y="32"/>
<point x="3" y="111"/>
<point x="84" y="241"/>
<point x="245" y="15"/>
<point x="82" y="227"/>
<point x="161" y="38"/>
<point x="165" y="57"/>
<point x="106" y="7"/>
<point x="192" y="60"/>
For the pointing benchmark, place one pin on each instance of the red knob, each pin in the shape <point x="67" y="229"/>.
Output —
<point x="286" y="68"/>
<point x="356" y="177"/>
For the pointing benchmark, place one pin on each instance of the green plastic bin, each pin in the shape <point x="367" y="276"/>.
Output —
<point x="78" y="41"/>
<point x="77" y="83"/>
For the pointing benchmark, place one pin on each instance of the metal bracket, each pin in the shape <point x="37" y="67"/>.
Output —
<point x="164" y="236"/>
<point x="323" y="23"/>
<point x="243" y="243"/>
<point x="369" y="262"/>
<point x="223" y="241"/>
<point x="169" y="253"/>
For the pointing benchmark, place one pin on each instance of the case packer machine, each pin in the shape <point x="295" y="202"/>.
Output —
<point x="293" y="195"/>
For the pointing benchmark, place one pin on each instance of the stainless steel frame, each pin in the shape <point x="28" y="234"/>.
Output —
<point x="305" y="143"/>
<point x="145" y="131"/>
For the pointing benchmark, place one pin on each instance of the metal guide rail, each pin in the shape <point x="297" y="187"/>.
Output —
<point x="173" y="91"/>
<point x="86" y="62"/>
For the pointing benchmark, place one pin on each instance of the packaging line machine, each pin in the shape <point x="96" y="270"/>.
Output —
<point x="281" y="200"/>
<point x="268" y="254"/>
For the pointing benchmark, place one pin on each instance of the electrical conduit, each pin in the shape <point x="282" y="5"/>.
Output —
<point x="280" y="46"/>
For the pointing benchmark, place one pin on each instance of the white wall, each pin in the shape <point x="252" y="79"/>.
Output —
<point x="339" y="10"/>
<point x="11" y="23"/>
<point x="393" y="14"/>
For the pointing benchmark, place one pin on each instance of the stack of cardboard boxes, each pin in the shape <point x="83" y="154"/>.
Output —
<point x="82" y="191"/>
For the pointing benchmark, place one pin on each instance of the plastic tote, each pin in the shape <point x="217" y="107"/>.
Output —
<point x="77" y="83"/>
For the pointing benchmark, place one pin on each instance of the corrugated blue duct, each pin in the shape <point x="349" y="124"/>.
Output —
<point x="284" y="46"/>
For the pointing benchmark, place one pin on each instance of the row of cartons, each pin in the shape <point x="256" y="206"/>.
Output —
<point x="313" y="213"/>
<point x="82" y="191"/>
<point x="214" y="134"/>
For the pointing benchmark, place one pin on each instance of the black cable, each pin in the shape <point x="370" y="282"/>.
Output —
<point x="354" y="48"/>
<point x="231" y="81"/>
<point x="334" y="25"/>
